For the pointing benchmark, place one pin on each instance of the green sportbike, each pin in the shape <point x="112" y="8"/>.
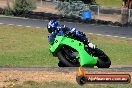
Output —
<point x="72" y="52"/>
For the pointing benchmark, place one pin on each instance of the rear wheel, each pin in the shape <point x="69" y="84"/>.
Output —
<point x="66" y="57"/>
<point x="60" y="64"/>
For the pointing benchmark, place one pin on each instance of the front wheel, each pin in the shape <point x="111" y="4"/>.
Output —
<point x="64" y="55"/>
<point x="103" y="61"/>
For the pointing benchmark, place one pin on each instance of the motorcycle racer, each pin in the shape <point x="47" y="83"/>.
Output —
<point x="55" y="29"/>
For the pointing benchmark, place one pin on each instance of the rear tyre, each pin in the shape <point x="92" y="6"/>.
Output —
<point x="60" y="64"/>
<point x="65" y="58"/>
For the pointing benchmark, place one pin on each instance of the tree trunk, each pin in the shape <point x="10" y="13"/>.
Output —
<point x="124" y="12"/>
<point x="130" y="4"/>
<point x="8" y="4"/>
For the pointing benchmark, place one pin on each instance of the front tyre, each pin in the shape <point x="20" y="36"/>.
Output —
<point x="103" y="61"/>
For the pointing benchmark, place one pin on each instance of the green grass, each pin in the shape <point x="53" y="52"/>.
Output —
<point x="55" y="84"/>
<point x="21" y="46"/>
<point x="110" y="3"/>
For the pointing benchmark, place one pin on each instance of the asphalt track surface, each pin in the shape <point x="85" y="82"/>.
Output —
<point x="123" y="32"/>
<point x="66" y="69"/>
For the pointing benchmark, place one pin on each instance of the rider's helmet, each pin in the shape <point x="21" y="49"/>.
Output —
<point x="52" y="26"/>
